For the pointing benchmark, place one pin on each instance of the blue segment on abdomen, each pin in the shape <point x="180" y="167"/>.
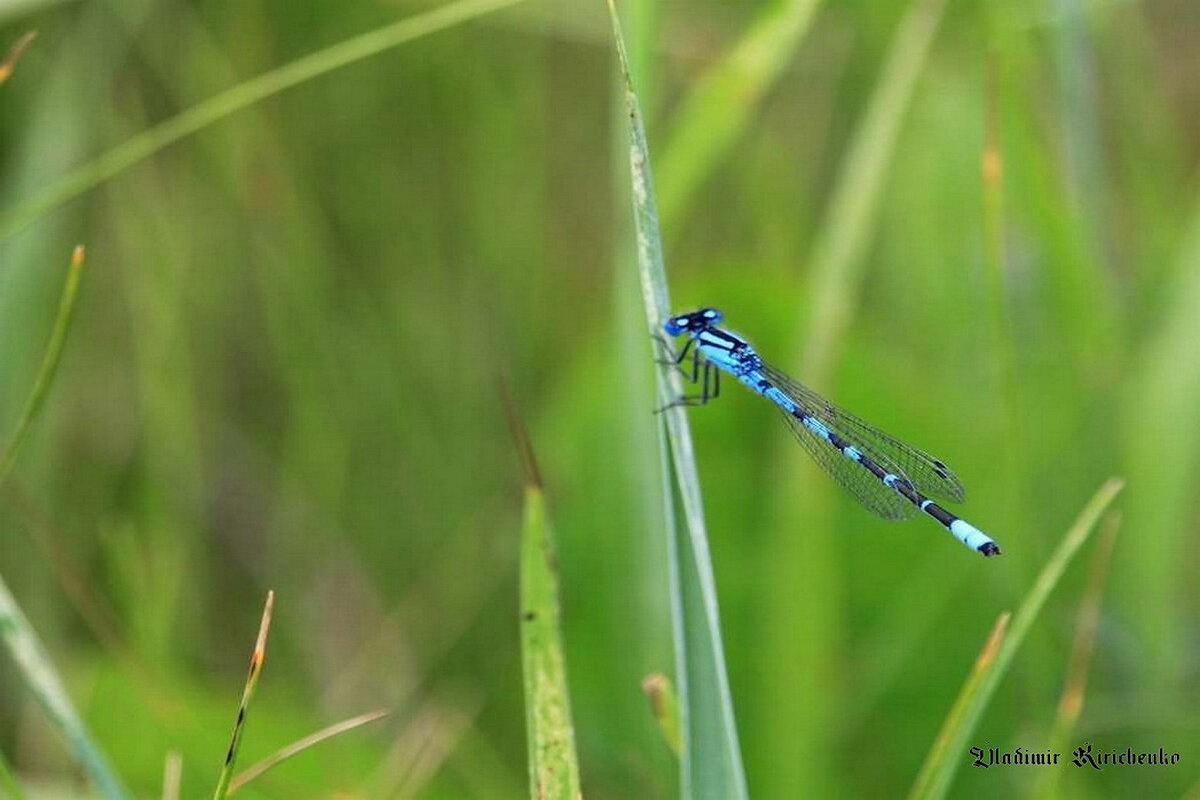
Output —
<point x="816" y="426"/>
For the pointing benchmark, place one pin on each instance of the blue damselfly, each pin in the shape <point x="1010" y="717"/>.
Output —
<point x="886" y="476"/>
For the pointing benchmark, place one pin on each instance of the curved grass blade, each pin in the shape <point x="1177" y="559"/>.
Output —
<point x="241" y="96"/>
<point x="1087" y="621"/>
<point x="944" y="757"/>
<point x="300" y="745"/>
<point x="45" y="377"/>
<point x="720" y="104"/>
<point x="256" y="664"/>
<point x="553" y="763"/>
<point x="711" y="763"/>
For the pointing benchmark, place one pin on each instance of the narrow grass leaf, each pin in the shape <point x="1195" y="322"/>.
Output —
<point x="838" y="252"/>
<point x="39" y="674"/>
<point x="936" y="773"/>
<point x="256" y="664"/>
<point x="1087" y="622"/>
<point x="711" y="765"/>
<point x="723" y="100"/>
<point x="49" y="367"/>
<point x="553" y="764"/>
<point x="241" y="96"/>
<point x="664" y="705"/>
<point x="300" y="745"/>
<point x="14" y="55"/>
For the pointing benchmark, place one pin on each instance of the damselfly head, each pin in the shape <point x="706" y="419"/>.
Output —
<point x="692" y="321"/>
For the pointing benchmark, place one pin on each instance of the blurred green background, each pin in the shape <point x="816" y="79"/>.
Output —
<point x="282" y="374"/>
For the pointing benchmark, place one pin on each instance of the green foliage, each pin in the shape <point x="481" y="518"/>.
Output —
<point x="280" y="376"/>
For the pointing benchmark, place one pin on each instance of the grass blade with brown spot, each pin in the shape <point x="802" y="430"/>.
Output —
<point x="256" y="664"/>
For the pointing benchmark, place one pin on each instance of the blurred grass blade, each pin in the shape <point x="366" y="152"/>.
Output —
<point x="256" y="664"/>
<point x="664" y="705"/>
<point x="9" y="788"/>
<point x="721" y="103"/>
<point x="39" y="674"/>
<point x="838" y="252"/>
<point x="944" y="757"/>
<point x="172" y="775"/>
<point x="45" y="377"/>
<point x="241" y="96"/>
<point x="299" y="746"/>
<point x="711" y="765"/>
<point x="1087" y="622"/>
<point x="14" y="55"/>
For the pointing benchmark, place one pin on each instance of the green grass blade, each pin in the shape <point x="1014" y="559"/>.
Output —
<point x="256" y="664"/>
<point x="722" y="101"/>
<point x="300" y="745"/>
<point x="553" y="764"/>
<point x="711" y="764"/>
<point x="838" y="252"/>
<point x="946" y="754"/>
<point x="241" y="96"/>
<point x="39" y="674"/>
<point x="45" y="377"/>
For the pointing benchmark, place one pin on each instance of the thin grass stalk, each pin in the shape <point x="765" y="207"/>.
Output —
<point x="49" y="367"/>
<point x="933" y="781"/>
<point x="711" y="765"/>
<point x="257" y="658"/>
<point x="245" y="94"/>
